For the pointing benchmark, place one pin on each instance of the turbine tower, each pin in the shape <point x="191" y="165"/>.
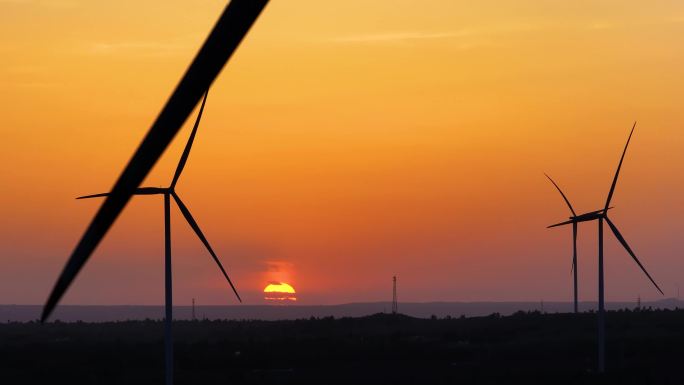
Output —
<point x="169" y="192"/>
<point x="226" y="35"/>
<point x="601" y="216"/>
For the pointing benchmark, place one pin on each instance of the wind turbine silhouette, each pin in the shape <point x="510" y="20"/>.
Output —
<point x="230" y="29"/>
<point x="169" y="192"/>
<point x="602" y="215"/>
<point x="573" y="218"/>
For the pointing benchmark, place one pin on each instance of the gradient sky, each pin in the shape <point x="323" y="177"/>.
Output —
<point x="347" y="141"/>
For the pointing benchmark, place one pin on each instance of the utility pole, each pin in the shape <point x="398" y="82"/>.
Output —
<point x="193" y="310"/>
<point x="394" y="295"/>
<point x="677" y="292"/>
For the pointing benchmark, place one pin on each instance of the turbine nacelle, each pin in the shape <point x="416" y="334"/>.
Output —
<point x="590" y="216"/>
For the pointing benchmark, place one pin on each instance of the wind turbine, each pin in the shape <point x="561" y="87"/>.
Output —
<point x="573" y="218"/>
<point x="169" y="192"/>
<point x="602" y="215"/>
<point x="230" y="29"/>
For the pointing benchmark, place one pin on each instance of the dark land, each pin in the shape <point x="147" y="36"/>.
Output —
<point x="643" y="347"/>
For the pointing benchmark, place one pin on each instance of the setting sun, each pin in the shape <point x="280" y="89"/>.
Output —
<point x="279" y="291"/>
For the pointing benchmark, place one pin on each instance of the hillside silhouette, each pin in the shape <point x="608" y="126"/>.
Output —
<point x="524" y="348"/>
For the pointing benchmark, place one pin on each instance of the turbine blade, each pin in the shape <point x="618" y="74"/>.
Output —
<point x="200" y="235"/>
<point x="150" y="191"/>
<point x="563" y="195"/>
<point x="188" y="146"/>
<point x="561" y="224"/>
<point x="232" y="26"/>
<point x="93" y="196"/>
<point x="629" y="250"/>
<point x="617" y="172"/>
<point x="138" y="191"/>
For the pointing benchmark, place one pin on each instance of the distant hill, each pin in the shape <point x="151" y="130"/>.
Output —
<point x="91" y="313"/>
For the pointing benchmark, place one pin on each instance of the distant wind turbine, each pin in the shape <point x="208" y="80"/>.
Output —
<point x="602" y="215"/>
<point x="573" y="218"/>
<point x="230" y="29"/>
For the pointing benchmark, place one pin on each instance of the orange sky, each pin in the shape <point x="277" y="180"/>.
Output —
<point x="346" y="142"/>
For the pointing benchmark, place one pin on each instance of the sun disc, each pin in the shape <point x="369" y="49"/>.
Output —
<point x="279" y="291"/>
<point x="279" y="287"/>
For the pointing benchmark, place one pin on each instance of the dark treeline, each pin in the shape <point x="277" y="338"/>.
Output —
<point x="644" y="347"/>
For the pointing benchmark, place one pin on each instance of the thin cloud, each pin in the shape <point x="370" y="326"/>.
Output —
<point x="26" y="69"/>
<point x="393" y="37"/>
<point x="136" y="47"/>
<point x="599" y="25"/>
<point x="36" y="84"/>
<point x="602" y="25"/>
<point x="44" y="3"/>
<point x="277" y="266"/>
<point x="407" y="36"/>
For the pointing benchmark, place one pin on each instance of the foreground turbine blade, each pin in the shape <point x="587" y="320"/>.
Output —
<point x="193" y="224"/>
<point x="561" y="224"/>
<point x="563" y="195"/>
<point x="188" y="146"/>
<point x="617" y="172"/>
<point x="629" y="250"/>
<point x="227" y="34"/>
